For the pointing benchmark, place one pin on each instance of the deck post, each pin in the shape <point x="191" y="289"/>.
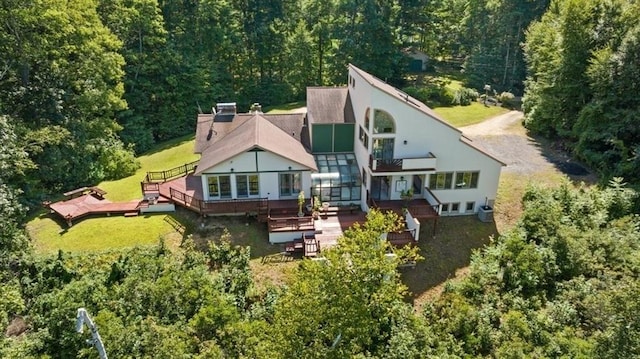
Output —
<point x="435" y="225"/>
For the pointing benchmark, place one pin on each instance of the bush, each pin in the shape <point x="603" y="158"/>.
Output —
<point x="507" y="99"/>
<point x="432" y="94"/>
<point x="464" y="96"/>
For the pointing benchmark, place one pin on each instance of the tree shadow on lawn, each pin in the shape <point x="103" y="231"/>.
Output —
<point x="450" y="250"/>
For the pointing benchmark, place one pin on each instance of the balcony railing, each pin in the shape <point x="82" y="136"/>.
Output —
<point x="163" y="176"/>
<point x="427" y="162"/>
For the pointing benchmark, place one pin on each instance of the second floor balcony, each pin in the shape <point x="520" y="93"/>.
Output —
<point x="426" y="162"/>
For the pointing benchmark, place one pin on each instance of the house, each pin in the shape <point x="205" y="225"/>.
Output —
<point x="419" y="61"/>
<point x="363" y="145"/>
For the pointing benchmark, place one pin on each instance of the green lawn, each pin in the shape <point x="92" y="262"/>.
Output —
<point x="101" y="233"/>
<point x="168" y="155"/>
<point x="460" y="116"/>
<point x="292" y="107"/>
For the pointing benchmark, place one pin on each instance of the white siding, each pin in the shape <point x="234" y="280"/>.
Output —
<point x="424" y="134"/>
<point x="268" y="165"/>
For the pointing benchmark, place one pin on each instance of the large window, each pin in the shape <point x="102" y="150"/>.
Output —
<point x="417" y="184"/>
<point x="441" y="180"/>
<point x="290" y="184"/>
<point x="467" y="180"/>
<point x="383" y="148"/>
<point x="383" y="122"/>
<point x="219" y="186"/>
<point x="339" y="178"/>
<point x="247" y="185"/>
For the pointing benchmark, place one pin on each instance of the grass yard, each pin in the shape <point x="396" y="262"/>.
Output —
<point x="101" y="233"/>
<point x="445" y="255"/>
<point x="293" y="107"/>
<point x="460" y="116"/>
<point x="168" y="155"/>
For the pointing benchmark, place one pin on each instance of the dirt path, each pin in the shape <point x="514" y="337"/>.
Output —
<point x="495" y="126"/>
<point x="504" y="137"/>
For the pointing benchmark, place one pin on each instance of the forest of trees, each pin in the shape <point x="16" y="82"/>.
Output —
<point x="562" y="283"/>
<point x="86" y="85"/>
<point x="584" y="76"/>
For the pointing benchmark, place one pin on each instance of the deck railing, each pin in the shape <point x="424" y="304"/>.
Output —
<point x="433" y="201"/>
<point x="427" y="161"/>
<point x="163" y="176"/>
<point x="400" y="239"/>
<point x="290" y="223"/>
<point x="243" y="205"/>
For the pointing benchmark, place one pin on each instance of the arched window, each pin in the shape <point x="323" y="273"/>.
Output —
<point x="383" y="122"/>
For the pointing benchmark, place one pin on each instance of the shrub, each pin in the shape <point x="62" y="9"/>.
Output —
<point x="434" y="93"/>
<point x="464" y="96"/>
<point x="507" y="99"/>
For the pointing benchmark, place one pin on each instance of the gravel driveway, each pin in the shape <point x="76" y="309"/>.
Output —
<point x="504" y="137"/>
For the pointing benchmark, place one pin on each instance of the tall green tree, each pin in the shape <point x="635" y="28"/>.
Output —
<point x="608" y="128"/>
<point x="140" y="27"/>
<point x="581" y="71"/>
<point x="347" y="304"/>
<point x="64" y="75"/>
<point x="367" y="36"/>
<point x="494" y="32"/>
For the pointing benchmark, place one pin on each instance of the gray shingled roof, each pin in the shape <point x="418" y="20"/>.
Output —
<point x="329" y="105"/>
<point x="252" y="131"/>
<point x="208" y="130"/>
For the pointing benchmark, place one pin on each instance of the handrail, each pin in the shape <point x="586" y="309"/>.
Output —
<point x="290" y="223"/>
<point x="434" y="196"/>
<point x="163" y="176"/>
<point x="436" y="207"/>
<point x="219" y="206"/>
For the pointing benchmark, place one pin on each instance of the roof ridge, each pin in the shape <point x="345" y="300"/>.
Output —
<point x="417" y="104"/>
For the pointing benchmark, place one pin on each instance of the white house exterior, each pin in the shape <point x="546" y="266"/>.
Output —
<point x="250" y="157"/>
<point x="435" y="154"/>
<point x="364" y="142"/>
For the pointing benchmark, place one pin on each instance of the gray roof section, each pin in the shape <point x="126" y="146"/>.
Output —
<point x="329" y="105"/>
<point x="209" y="131"/>
<point x="255" y="132"/>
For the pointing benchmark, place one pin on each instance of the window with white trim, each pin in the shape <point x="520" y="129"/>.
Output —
<point x="290" y="184"/>
<point x="367" y="121"/>
<point x="219" y="186"/>
<point x="441" y="180"/>
<point x="467" y="180"/>
<point x="445" y="208"/>
<point x="455" y="207"/>
<point x="247" y="185"/>
<point x="383" y="122"/>
<point x="364" y="138"/>
<point x="471" y="206"/>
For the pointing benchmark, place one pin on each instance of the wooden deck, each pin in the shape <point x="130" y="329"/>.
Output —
<point x="88" y="204"/>
<point x="419" y="208"/>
